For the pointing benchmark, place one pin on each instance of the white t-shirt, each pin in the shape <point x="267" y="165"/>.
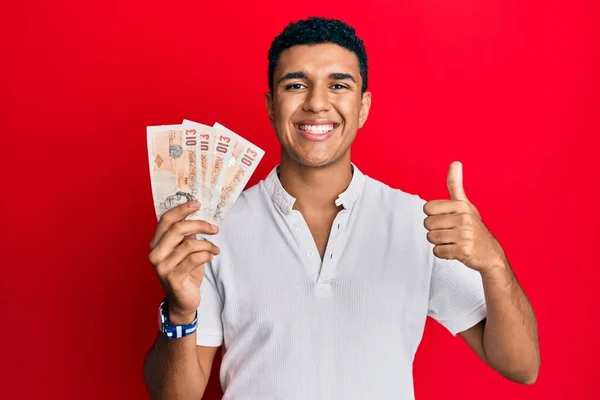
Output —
<point x="295" y="327"/>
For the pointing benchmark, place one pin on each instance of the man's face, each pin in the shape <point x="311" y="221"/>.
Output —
<point x="317" y="107"/>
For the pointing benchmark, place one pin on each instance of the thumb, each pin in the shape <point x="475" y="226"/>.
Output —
<point x="455" y="182"/>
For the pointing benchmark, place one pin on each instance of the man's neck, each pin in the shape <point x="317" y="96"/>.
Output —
<point x="315" y="189"/>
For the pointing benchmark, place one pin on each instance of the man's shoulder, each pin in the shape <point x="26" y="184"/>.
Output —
<point x="379" y="193"/>
<point x="399" y="211"/>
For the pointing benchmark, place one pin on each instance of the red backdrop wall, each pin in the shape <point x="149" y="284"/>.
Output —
<point x="508" y="87"/>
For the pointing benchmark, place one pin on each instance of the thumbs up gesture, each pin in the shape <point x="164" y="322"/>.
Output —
<point x="455" y="228"/>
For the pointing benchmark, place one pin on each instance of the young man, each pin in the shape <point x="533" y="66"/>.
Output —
<point x="324" y="276"/>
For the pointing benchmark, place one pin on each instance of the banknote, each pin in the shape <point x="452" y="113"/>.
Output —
<point x="244" y="160"/>
<point x="194" y="161"/>
<point x="221" y="156"/>
<point x="206" y="145"/>
<point x="172" y="154"/>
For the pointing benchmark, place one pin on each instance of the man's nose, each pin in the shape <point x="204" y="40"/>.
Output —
<point x="317" y="100"/>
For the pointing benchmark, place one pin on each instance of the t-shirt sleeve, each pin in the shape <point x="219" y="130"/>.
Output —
<point x="210" y="325"/>
<point x="456" y="297"/>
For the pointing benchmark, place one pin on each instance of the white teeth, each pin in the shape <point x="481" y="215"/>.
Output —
<point x="318" y="129"/>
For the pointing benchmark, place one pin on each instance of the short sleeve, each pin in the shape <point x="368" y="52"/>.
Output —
<point x="210" y="325"/>
<point x="456" y="297"/>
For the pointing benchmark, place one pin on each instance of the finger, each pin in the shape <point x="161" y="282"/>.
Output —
<point x="445" y="221"/>
<point x="191" y="263"/>
<point x="457" y="251"/>
<point x="176" y="234"/>
<point x="182" y="251"/>
<point x="175" y="214"/>
<point x="437" y="207"/>
<point x="443" y="236"/>
<point x="446" y="251"/>
<point x="186" y="229"/>
<point x="455" y="182"/>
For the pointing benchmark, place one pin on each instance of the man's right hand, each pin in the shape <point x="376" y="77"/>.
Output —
<point x="179" y="260"/>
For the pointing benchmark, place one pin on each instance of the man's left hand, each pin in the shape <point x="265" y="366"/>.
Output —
<point x="455" y="228"/>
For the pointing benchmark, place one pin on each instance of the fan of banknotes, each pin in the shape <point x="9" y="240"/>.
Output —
<point x="193" y="161"/>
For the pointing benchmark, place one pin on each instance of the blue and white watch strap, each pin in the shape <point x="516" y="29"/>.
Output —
<point x="174" y="331"/>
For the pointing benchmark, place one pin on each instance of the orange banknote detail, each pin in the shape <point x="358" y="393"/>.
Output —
<point x="172" y="152"/>
<point x="244" y="160"/>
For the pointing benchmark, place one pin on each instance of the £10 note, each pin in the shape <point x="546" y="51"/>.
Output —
<point x="221" y="156"/>
<point x="244" y="160"/>
<point x="206" y="146"/>
<point x="172" y="153"/>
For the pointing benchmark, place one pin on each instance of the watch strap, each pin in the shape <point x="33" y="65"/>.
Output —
<point x="174" y="331"/>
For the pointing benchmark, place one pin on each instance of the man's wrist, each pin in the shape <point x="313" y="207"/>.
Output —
<point x="500" y="275"/>
<point x="174" y="324"/>
<point x="177" y="318"/>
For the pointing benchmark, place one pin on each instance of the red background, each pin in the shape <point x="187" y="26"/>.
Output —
<point x="508" y="87"/>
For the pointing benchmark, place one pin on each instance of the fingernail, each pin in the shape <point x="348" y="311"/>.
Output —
<point x="214" y="227"/>
<point x="194" y="204"/>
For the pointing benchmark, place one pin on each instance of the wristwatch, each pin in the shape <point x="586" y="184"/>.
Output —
<point x="174" y="331"/>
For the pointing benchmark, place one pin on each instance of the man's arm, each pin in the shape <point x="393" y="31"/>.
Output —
<point x="178" y="369"/>
<point x="507" y="340"/>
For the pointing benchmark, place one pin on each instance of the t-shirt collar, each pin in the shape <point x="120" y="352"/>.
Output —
<point x="285" y="201"/>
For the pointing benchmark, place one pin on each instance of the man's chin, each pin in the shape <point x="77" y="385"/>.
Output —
<point x="317" y="162"/>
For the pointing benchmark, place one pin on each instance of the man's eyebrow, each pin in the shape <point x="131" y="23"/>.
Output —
<point x="342" y="76"/>
<point x="293" y="75"/>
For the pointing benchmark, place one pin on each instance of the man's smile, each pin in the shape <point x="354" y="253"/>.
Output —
<point x="316" y="130"/>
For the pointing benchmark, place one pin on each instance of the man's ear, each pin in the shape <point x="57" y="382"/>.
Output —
<point x="365" y="106"/>
<point x="270" y="109"/>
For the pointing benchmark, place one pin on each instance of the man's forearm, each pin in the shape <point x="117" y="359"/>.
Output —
<point x="172" y="369"/>
<point x="510" y="337"/>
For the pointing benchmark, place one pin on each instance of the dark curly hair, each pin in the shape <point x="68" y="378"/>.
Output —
<point x="317" y="30"/>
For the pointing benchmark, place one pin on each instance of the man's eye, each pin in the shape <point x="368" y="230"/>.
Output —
<point x="294" y="86"/>
<point x="338" y="86"/>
